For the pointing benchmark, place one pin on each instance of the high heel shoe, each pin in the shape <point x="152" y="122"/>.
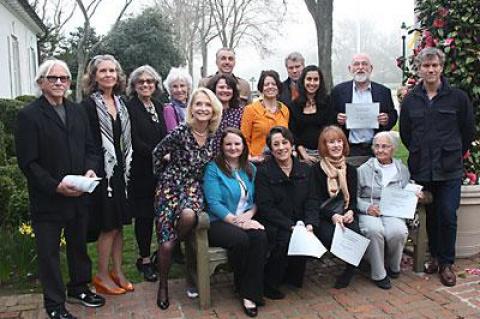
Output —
<point x="102" y="289"/>
<point x="162" y="303"/>
<point x="128" y="287"/>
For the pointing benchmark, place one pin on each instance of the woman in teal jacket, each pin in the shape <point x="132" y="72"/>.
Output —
<point x="229" y="192"/>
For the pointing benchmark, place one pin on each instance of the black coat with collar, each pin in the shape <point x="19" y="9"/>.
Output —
<point x="281" y="200"/>
<point x="285" y="94"/>
<point x="48" y="150"/>
<point x="146" y="134"/>
<point x="343" y="92"/>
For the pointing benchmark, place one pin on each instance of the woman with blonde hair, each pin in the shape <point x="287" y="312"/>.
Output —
<point x="179" y="195"/>
<point x="104" y="81"/>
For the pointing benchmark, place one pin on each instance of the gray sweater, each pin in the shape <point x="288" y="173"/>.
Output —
<point x="370" y="182"/>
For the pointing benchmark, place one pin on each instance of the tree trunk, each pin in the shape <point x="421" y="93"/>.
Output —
<point x="204" y="70"/>
<point x="82" y="61"/>
<point x="321" y="11"/>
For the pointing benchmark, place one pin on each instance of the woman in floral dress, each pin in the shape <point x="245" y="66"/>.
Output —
<point x="179" y="160"/>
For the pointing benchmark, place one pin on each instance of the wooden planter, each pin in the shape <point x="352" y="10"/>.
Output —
<point x="468" y="222"/>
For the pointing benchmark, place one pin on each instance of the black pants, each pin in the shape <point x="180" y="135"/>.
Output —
<point x="280" y="267"/>
<point x="143" y="235"/>
<point x="47" y="237"/>
<point x="246" y="254"/>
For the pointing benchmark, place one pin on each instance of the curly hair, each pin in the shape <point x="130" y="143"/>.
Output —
<point x="89" y="81"/>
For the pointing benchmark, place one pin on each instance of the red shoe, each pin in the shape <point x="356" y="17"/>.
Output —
<point x="102" y="289"/>
<point x="128" y="287"/>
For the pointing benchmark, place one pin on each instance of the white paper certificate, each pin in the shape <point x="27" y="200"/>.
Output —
<point x="399" y="202"/>
<point x="362" y="115"/>
<point x="82" y="183"/>
<point x="305" y="243"/>
<point x="348" y="245"/>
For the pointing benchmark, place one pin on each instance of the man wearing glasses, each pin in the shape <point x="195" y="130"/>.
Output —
<point x="362" y="90"/>
<point x="53" y="140"/>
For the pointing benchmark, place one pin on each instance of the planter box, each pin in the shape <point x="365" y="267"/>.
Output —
<point x="468" y="222"/>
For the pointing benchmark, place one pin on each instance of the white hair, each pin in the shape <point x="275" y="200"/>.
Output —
<point x="45" y="68"/>
<point x="392" y="136"/>
<point x="176" y="74"/>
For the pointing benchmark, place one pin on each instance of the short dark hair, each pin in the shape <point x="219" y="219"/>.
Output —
<point x="270" y="73"/>
<point x="231" y="82"/>
<point x="286" y="133"/>
<point x="332" y="132"/>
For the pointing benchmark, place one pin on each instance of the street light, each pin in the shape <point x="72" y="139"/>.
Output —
<point x="404" y="32"/>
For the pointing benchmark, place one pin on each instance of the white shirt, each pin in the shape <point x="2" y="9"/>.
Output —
<point x="242" y="203"/>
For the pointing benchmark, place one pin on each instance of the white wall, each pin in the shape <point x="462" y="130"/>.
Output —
<point x="27" y="41"/>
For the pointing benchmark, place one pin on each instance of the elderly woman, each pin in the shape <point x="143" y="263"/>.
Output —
<point x="148" y="129"/>
<point x="229" y="191"/>
<point x="260" y="116"/>
<point x="225" y="88"/>
<point x="179" y="195"/>
<point x="311" y="111"/>
<point x="179" y="86"/>
<point x="103" y="83"/>
<point x="282" y="189"/>
<point x="333" y="177"/>
<point x="379" y="172"/>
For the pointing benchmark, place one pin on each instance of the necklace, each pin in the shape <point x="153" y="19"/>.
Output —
<point x="269" y="108"/>
<point x="200" y="134"/>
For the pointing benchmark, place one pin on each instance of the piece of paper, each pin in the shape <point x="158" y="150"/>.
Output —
<point x="348" y="245"/>
<point x="305" y="243"/>
<point x="399" y="202"/>
<point x="82" y="183"/>
<point x="362" y="115"/>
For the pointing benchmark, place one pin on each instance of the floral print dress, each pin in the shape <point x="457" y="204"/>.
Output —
<point x="179" y="179"/>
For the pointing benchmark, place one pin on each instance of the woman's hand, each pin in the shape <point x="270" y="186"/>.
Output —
<point x="310" y="160"/>
<point x="348" y="217"/>
<point x="251" y="224"/>
<point x="90" y="173"/>
<point x="309" y="228"/>
<point x="338" y="219"/>
<point x="245" y="216"/>
<point x="374" y="210"/>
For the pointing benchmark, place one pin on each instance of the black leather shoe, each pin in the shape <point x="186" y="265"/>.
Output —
<point x="86" y="298"/>
<point x="148" y="270"/>
<point x="431" y="267"/>
<point x="251" y="312"/>
<point x="60" y="313"/>
<point x="344" y="279"/>
<point x="383" y="283"/>
<point x="162" y="298"/>
<point x="393" y="274"/>
<point x="273" y="293"/>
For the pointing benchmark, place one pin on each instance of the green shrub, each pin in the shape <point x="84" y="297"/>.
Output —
<point x="7" y="188"/>
<point x="14" y="207"/>
<point x="3" y="150"/>
<point x="8" y="113"/>
<point x="25" y="98"/>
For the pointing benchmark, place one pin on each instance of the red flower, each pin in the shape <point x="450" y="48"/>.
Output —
<point x="438" y="23"/>
<point x="453" y="66"/>
<point x="449" y="41"/>
<point x="472" y="177"/>
<point x="443" y="12"/>
<point x="466" y="154"/>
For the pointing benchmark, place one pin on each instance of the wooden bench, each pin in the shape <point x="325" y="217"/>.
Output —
<point x="202" y="260"/>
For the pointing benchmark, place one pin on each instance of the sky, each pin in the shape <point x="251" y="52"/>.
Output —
<point x="296" y="34"/>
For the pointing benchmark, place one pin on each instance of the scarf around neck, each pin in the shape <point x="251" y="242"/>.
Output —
<point x="336" y="171"/>
<point x="106" y="132"/>
<point x="180" y="110"/>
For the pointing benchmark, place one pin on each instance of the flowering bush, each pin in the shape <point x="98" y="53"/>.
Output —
<point x="454" y="28"/>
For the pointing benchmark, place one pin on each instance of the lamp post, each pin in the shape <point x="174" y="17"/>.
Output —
<point x="404" y="32"/>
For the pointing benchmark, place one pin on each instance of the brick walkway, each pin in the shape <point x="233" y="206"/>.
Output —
<point x="412" y="296"/>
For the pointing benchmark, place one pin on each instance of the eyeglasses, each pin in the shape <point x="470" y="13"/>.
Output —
<point x="53" y="79"/>
<point x="148" y="81"/>
<point x="382" y="146"/>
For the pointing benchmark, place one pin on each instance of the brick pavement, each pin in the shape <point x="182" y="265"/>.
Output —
<point x="412" y="296"/>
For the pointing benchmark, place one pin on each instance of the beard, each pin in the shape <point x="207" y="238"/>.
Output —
<point x="361" y="77"/>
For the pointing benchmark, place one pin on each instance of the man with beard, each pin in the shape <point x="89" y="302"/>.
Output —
<point x="362" y="90"/>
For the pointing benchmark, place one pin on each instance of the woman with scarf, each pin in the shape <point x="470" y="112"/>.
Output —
<point x="333" y="177"/>
<point x="179" y="87"/>
<point x="103" y="82"/>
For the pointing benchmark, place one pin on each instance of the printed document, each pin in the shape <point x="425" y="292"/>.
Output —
<point x="348" y="245"/>
<point x="305" y="243"/>
<point x="362" y="115"/>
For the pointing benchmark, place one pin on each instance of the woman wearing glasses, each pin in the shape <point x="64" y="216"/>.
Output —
<point x="103" y="83"/>
<point x="148" y="129"/>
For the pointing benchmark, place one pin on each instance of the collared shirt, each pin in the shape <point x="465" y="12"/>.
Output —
<point x="362" y="135"/>
<point x="60" y="110"/>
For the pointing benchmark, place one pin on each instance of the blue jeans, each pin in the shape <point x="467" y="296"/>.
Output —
<point x="442" y="219"/>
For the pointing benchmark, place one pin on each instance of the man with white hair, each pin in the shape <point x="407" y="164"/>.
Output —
<point x="294" y="63"/>
<point x="225" y="60"/>
<point x="53" y="140"/>
<point x="362" y="90"/>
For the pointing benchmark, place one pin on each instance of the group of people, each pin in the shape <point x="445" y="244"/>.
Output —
<point x="256" y="167"/>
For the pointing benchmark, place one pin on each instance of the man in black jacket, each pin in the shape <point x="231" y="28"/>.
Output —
<point x="437" y="126"/>
<point x="53" y="140"/>
<point x="295" y="63"/>
<point x="362" y="90"/>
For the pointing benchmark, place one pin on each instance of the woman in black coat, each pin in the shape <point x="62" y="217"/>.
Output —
<point x="330" y="178"/>
<point x="282" y="189"/>
<point x="148" y="129"/>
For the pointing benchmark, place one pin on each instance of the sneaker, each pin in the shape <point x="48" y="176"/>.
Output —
<point x="60" y="313"/>
<point x="86" y="298"/>
<point x="383" y="283"/>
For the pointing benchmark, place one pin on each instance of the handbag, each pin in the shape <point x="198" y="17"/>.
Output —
<point x="334" y="204"/>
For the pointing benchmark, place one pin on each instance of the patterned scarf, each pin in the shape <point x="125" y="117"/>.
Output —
<point x="106" y="131"/>
<point x="336" y="171"/>
<point x="180" y="110"/>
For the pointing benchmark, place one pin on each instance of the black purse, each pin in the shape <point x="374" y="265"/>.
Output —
<point x="334" y="204"/>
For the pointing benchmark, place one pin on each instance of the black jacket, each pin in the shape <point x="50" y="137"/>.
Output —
<point x="436" y="135"/>
<point x="285" y="94"/>
<point x="47" y="151"/>
<point x="146" y="134"/>
<point x="281" y="200"/>
<point x="319" y="192"/>
<point x="342" y="93"/>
